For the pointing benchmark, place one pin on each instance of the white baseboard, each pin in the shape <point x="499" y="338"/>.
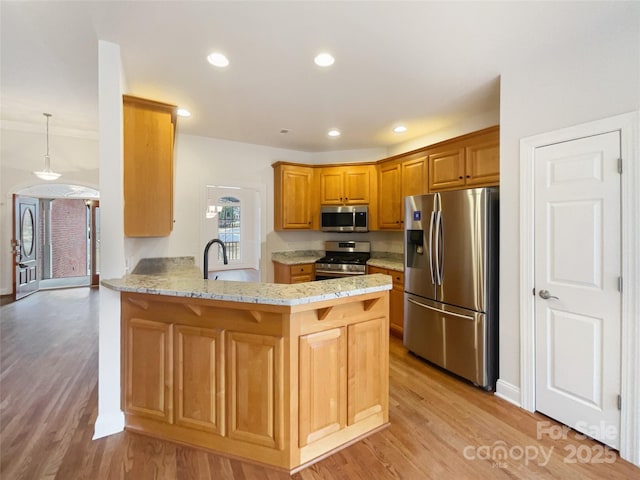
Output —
<point x="108" y="424"/>
<point x="508" y="392"/>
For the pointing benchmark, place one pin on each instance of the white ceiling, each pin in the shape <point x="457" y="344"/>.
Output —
<point x="425" y="64"/>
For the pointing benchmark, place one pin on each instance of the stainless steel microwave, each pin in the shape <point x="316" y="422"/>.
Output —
<point x="347" y="218"/>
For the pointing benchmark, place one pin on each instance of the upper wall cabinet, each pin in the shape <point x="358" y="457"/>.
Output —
<point x="470" y="161"/>
<point x="401" y="176"/>
<point x="295" y="197"/>
<point x="149" y="131"/>
<point x="345" y="185"/>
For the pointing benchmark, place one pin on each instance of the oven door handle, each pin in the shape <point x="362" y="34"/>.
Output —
<point x="339" y="274"/>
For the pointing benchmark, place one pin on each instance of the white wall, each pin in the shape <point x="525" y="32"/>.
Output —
<point x="22" y="148"/>
<point x="111" y="85"/>
<point x="462" y="127"/>
<point x="348" y="156"/>
<point x="552" y="91"/>
<point x="201" y="161"/>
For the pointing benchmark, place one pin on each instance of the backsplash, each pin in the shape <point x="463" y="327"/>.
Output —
<point x="391" y="242"/>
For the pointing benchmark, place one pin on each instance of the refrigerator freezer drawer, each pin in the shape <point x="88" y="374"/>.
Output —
<point x="453" y="338"/>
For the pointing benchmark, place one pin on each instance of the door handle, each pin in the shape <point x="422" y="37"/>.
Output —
<point x="546" y="295"/>
<point x="431" y="221"/>
<point x="428" y="307"/>
<point x="23" y="265"/>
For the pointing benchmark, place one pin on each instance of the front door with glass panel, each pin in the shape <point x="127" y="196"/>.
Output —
<point x="26" y="245"/>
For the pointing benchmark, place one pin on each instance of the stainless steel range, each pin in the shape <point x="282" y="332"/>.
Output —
<point x="343" y="259"/>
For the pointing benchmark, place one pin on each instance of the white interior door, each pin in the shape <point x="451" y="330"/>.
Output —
<point x="577" y="271"/>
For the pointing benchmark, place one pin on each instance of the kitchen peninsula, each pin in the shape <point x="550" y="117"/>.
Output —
<point x="278" y="374"/>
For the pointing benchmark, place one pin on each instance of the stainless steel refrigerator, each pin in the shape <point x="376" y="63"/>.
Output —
<point x="451" y="281"/>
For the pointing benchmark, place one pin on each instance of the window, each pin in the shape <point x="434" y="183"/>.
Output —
<point x="229" y="227"/>
<point x="232" y="214"/>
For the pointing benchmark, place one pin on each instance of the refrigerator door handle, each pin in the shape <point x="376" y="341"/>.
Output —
<point x="431" y="222"/>
<point x="439" y="247"/>
<point x="429" y="307"/>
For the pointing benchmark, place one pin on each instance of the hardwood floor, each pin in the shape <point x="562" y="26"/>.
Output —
<point x="441" y="427"/>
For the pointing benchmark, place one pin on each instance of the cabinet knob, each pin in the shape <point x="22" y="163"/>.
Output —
<point x="461" y="177"/>
<point x="468" y="176"/>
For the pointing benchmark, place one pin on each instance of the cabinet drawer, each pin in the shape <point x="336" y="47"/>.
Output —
<point x="306" y="269"/>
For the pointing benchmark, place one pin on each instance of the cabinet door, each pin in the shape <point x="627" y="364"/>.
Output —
<point x="396" y="304"/>
<point x="414" y="176"/>
<point x="293" y="196"/>
<point x="367" y="387"/>
<point x="357" y="181"/>
<point x="199" y="382"/>
<point x="148" y="365"/>
<point x="255" y="389"/>
<point x="322" y="384"/>
<point x="332" y="186"/>
<point x="446" y="169"/>
<point x="483" y="163"/>
<point x="148" y="167"/>
<point x="389" y="197"/>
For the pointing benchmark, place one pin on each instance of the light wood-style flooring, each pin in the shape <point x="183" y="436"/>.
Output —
<point x="441" y="427"/>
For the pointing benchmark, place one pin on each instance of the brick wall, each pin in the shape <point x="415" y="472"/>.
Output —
<point x="69" y="238"/>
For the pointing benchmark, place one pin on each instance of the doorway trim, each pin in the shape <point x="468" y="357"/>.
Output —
<point x="628" y="125"/>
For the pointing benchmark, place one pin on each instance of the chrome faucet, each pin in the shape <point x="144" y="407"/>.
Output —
<point x="206" y="255"/>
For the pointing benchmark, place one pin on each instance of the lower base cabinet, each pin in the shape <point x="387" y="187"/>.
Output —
<point x="278" y="388"/>
<point x="396" y="299"/>
<point x="299" y="273"/>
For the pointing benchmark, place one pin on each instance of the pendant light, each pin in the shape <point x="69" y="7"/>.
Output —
<point x="47" y="173"/>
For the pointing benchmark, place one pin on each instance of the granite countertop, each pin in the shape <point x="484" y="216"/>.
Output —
<point x="180" y="277"/>
<point x="391" y="261"/>
<point x="297" y="257"/>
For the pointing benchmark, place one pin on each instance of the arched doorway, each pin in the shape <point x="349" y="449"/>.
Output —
<point x="63" y="236"/>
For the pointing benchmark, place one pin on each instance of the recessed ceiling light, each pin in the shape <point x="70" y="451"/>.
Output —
<point x="334" y="132"/>
<point x="183" y="112"/>
<point x="324" y="60"/>
<point x="399" y="129"/>
<point x="218" y="59"/>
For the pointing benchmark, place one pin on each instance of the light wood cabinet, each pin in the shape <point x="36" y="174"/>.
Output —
<point x="389" y="196"/>
<point x="469" y="162"/>
<point x="403" y="175"/>
<point x="221" y="381"/>
<point x="396" y="299"/>
<point x="295" y="197"/>
<point x="345" y="185"/>
<point x="482" y="167"/>
<point x="256" y="389"/>
<point x="414" y="174"/>
<point x="199" y="378"/>
<point x="365" y="363"/>
<point x="323" y="384"/>
<point x="149" y="129"/>
<point x="299" y="273"/>
<point x="446" y="169"/>
<point x="282" y="385"/>
<point x="148" y="390"/>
